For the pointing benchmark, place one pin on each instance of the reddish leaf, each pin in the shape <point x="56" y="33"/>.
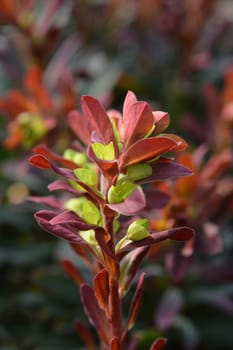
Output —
<point x="103" y="238"/>
<point x="34" y="84"/>
<point x="146" y="149"/>
<point x="158" y="344"/>
<point x="101" y="289"/>
<point x="130" y="99"/>
<point x="15" y="102"/>
<point x="79" y="125"/>
<point x="9" y="9"/>
<point x="181" y="143"/>
<point x="115" y="344"/>
<point x="98" y="119"/>
<point x="44" y="151"/>
<point x="83" y="252"/>
<point x="109" y="168"/>
<point x="95" y="314"/>
<point x="73" y="272"/>
<point x="161" y="121"/>
<point x="217" y="165"/>
<point x="39" y="161"/>
<point x="138" y="121"/>
<point x="85" y="335"/>
<point x="135" y="304"/>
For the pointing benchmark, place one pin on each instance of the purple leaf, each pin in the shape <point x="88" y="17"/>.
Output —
<point x="134" y="203"/>
<point x="135" y="303"/>
<point x="48" y="200"/>
<point x="98" y="119"/>
<point x="70" y="218"/>
<point x="155" y="198"/>
<point x="178" y="264"/>
<point x="178" y="234"/>
<point x="168" y="308"/>
<point x="62" y="185"/>
<point x="165" y="169"/>
<point x="95" y="314"/>
<point x="43" y="218"/>
<point x="68" y="174"/>
<point x="135" y="257"/>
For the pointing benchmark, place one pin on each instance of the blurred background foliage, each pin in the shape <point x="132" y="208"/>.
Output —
<point x="178" y="56"/>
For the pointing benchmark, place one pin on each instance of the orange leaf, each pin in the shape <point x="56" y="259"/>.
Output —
<point x="101" y="288"/>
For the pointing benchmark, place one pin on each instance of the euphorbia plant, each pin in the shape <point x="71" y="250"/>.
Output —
<point x="103" y="174"/>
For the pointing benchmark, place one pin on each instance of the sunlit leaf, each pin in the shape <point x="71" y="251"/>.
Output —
<point x="98" y="119"/>
<point x="104" y="152"/>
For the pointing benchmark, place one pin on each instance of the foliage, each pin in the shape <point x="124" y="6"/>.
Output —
<point x="178" y="56"/>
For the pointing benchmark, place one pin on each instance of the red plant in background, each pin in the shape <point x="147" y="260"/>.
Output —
<point x="35" y="111"/>
<point x="203" y="200"/>
<point x="198" y="201"/>
<point x="123" y="152"/>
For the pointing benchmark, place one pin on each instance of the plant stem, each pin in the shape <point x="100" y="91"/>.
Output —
<point x="113" y="267"/>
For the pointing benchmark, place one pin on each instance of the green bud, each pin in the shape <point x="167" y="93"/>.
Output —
<point x="33" y="128"/>
<point x="76" y="157"/>
<point x="116" y="133"/>
<point x="138" y="230"/>
<point x="138" y="171"/>
<point x="104" y="152"/>
<point x="89" y="237"/>
<point x="85" y="209"/>
<point x="120" y="192"/>
<point x="116" y="225"/>
<point x="87" y="175"/>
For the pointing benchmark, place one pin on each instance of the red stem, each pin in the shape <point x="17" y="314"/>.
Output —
<point x="113" y="267"/>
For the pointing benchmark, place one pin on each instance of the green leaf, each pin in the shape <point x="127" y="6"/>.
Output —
<point x="87" y="175"/>
<point x="104" y="152"/>
<point x="116" y="133"/>
<point x="32" y="127"/>
<point x="91" y="213"/>
<point x="138" y="230"/>
<point x="138" y="171"/>
<point x="120" y="192"/>
<point x="89" y="237"/>
<point x="76" y="157"/>
<point x="85" y="209"/>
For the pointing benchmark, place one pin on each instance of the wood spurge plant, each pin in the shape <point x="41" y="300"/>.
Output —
<point x="106" y="176"/>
